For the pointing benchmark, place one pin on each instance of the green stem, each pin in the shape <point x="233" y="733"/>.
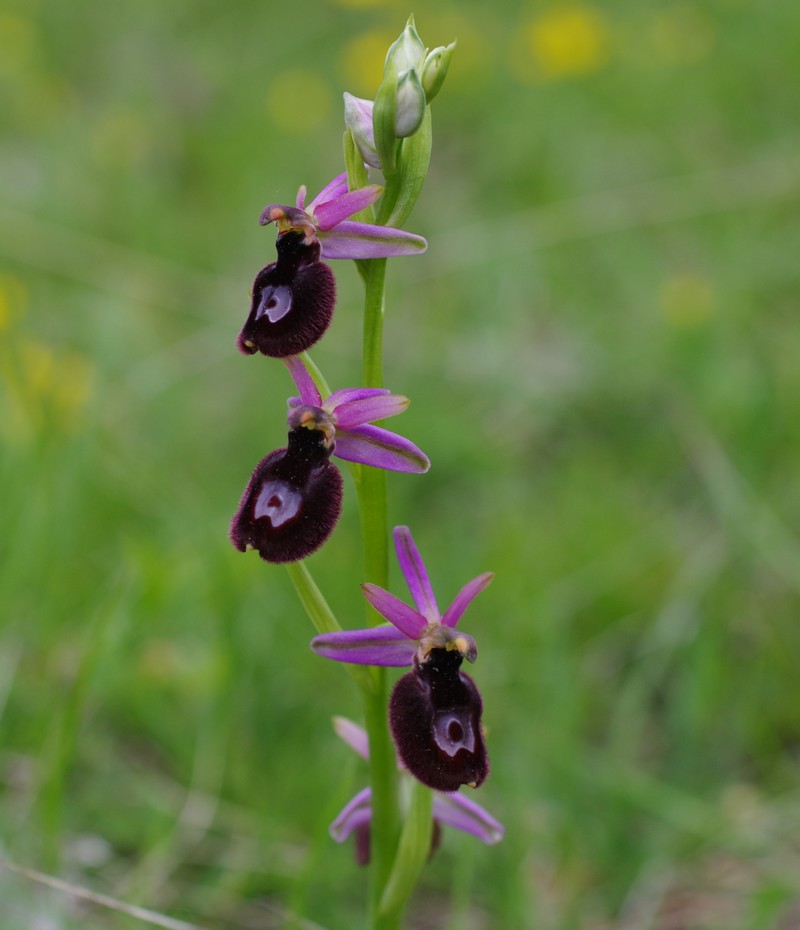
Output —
<point x="371" y="488"/>
<point x="323" y="617"/>
<point x="372" y="354"/>
<point x="312" y="599"/>
<point x="412" y="854"/>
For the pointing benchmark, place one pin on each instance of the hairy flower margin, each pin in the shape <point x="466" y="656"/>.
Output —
<point x="451" y="809"/>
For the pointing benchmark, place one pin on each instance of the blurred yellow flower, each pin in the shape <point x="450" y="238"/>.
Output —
<point x="13" y="300"/>
<point x="687" y="300"/>
<point x="17" y="42"/>
<point x="361" y="62"/>
<point x="563" y="41"/>
<point x="45" y="391"/>
<point x="298" y="101"/>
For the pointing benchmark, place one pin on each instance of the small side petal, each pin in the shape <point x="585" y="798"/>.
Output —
<point x="382" y="645"/>
<point x="460" y="812"/>
<point x="372" y="445"/>
<point x="304" y="382"/>
<point x="413" y="569"/>
<point x="351" y="239"/>
<point x="405" y="618"/>
<point x="465" y="597"/>
<point x="334" y="188"/>
<point x="356" y="813"/>
<point x="345" y="395"/>
<point x="358" y="411"/>
<point x="334" y="211"/>
<point x="354" y="735"/>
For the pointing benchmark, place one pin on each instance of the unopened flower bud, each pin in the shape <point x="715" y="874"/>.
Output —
<point x="434" y="71"/>
<point x="358" y="119"/>
<point x="410" y="105"/>
<point x="406" y="53"/>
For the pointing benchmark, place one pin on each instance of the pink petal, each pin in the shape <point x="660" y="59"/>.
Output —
<point x="372" y="445"/>
<point x="465" y="597"/>
<point x="344" y="395"/>
<point x="405" y="618"/>
<point x="360" y="410"/>
<point x="460" y="812"/>
<point x="413" y="569"/>
<point x="351" y="239"/>
<point x="334" y="188"/>
<point x="304" y="382"/>
<point x="354" y="735"/>
<point x="380" y="645"/>
<point x="332" y="212"/>
<point x="356" y="813"/>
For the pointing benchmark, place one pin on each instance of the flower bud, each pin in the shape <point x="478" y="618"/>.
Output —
<point x="358" y="119"/>
<point x="292" y="502"/>
<point x="406" y="53"/>
<point x="434" y="70"/>
<point x="292" y="301"/>
<point x="410" y="105"/>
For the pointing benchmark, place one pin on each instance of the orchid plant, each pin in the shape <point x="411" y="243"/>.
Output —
<point x="429" y="729"/>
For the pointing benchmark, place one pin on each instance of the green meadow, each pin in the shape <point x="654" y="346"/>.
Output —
<point x="602" y="349"/>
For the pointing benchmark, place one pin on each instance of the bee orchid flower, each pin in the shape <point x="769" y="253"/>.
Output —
<point x="293" y="298"/>
<point x="326" y="220"/>
<point x="344" y="419"/>
<point x="435" y="710"/>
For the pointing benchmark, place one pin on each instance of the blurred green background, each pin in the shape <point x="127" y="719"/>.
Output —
<point x="601" y="349"/>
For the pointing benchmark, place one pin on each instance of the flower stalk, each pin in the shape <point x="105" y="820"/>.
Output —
<point x="372" y="506"/>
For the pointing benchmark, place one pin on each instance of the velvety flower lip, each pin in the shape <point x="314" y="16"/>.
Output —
<point x="450" y="808"/>
<point x="292" y="301"/>
<point x="344" y="419"/>
<point x="292" y="501"/>
<point x="435" y="718"/>
<point x="415" y="631"/>
<point x="326" y="221"/>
